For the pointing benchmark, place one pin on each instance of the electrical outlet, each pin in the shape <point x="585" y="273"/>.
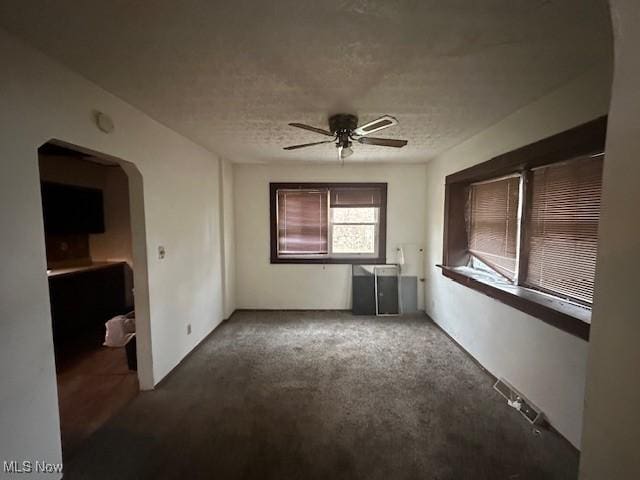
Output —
<point x="189" y="329"/>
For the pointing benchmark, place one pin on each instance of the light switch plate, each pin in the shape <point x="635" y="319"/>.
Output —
<point x="161" y="252"/>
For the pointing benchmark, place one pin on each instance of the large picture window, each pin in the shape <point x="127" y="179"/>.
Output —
<point x="328" y="223"/>
<point x="557" y="232"/>
<point x="523" y="227"/>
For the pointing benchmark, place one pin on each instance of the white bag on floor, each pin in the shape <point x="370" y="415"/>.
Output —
<point x="120" y="329"/>
<point x="129" y="324"/>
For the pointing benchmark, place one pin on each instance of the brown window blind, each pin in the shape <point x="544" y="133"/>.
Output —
<point x="492" y="223"/>
<point x="356" y="197"/>
<point x="562" y="227"/>
<point x="302" y="221"/>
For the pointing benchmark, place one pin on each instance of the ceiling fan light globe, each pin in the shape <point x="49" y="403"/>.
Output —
<point x="346" y="152"/>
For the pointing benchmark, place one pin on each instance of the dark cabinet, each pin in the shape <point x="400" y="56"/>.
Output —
<point x="82" y="301"/>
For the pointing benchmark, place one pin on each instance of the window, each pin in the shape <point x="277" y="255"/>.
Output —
<point x="562" y="228"/>
<point x="328" y="223"/>
<point x="302" y="222"/>
<point x="354" y="230"/>
<point x="523" y="227"/>
<point x="493" y="223"/>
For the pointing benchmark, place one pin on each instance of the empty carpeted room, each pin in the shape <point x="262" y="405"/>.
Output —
<point x="355" y="239"/>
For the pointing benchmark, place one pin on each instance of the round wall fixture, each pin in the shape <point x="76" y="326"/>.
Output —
<point x="104" y="122"/>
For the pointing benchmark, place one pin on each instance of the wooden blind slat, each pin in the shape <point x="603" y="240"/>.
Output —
<point x="302" y="221"/>
<point x="493" y="223"/>
<point x="356" y="197"/>
<point x="563" y="228"/>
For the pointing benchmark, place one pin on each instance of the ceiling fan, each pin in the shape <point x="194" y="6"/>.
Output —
<point x="344" y="130"/>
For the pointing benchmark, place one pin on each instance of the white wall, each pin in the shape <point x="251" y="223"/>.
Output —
<point x="612" y="414"/>
<point x="284" y="286"/>
<point x="546" y="364"/>
<point x="228" y="237"/>
<point x="42" y="100"/>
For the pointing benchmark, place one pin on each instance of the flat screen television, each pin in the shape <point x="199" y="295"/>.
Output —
<point x="72" y="209"/>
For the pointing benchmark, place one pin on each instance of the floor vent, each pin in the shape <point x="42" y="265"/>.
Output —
<point x="516" y="400"/>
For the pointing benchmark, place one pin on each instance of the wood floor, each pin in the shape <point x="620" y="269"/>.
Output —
<point x="94" y="383"/>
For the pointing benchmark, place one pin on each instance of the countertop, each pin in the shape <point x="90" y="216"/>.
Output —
<point x="82" y="268"/>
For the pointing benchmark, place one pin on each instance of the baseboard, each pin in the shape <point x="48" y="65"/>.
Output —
<point x="189" y="353"/>
<point x="464" y="350"/>
<point x="229" y="317"/>
<point x="545" y="424"/>
<point x="292" y="310"/>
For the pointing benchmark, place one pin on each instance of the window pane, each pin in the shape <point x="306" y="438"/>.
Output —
<point x="354" y="239"/>
<point x="302" y="222"/>
<point x="493" y="224"/>
<point x="354" y="215"/>
<point x="356" y="197"/>
<point x="563" y="226"/>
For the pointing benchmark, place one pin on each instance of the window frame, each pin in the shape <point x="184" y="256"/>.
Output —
<point x="380" y="256"/>
<point x="566" y="314"/>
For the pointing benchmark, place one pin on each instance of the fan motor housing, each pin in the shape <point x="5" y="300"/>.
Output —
<point x="342" y="122"/>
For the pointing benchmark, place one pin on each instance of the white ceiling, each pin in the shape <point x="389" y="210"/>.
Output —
<point x="230" y="75"/>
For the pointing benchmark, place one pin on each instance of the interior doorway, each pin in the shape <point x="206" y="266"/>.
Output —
<point x="86" y="206"/>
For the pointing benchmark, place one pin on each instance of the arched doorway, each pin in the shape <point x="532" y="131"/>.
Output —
<point x="93" y="212"/>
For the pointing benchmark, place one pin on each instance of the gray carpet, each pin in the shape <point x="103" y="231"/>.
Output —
<point x="323" y="395"/>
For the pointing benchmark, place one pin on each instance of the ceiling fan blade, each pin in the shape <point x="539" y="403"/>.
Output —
<point x="382" y="142"/>
<point x="312" y="129"/>
<point x="295" y="147"/>
<point x="385" y="121"/>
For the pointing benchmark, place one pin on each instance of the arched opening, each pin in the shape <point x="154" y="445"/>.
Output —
<point x="93" y="213"/>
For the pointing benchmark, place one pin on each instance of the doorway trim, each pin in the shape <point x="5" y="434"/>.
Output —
<point x="140" y="261"/>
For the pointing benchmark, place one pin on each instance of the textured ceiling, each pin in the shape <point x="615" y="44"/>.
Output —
<point x="230" y="75"/>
